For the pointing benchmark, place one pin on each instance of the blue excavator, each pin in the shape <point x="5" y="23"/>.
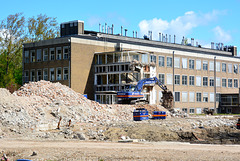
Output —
<point x="133" y="95"/>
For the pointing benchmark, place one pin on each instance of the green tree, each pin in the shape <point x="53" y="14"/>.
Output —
<point x="42" y="28"/>
<point x="12" y="36"/>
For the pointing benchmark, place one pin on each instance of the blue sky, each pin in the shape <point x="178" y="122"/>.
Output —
<point x="205" y="21"/>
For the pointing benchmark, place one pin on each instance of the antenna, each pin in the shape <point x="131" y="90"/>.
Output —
<point x="112" y="28"/>
<point x="121" y="30"/>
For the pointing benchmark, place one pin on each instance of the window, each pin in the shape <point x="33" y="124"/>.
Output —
<point x="45" y="55"/>
<point x="230" y="83"/>
<point x="39" y="55"/>
<point x="59" y="73"/>
<point x="153" y="59"/>
<point x="161" y="61"/>
<point x="229" y="68"/>
<point x="45" y="74"/>
<point x="185" y="110"/>
<point x="184" y="96"/>
<point x="33" y="79"/>
<point x="211" y="82"/>
<point x="211" y="97"/>
<point x="177" y="79"/>
<point x="39" y="74"/>
<point x="205" y="97"/>
<point x="218" y="82"/>
<point x="235" y="83"/>
<point x="144" y="58"/>
<point x="205" y="65"/>
<point x="205" y="81"/>
<point x="191" y="110"/>
<point x="169" y="62"/>
<point x="177" y="96"/>
<point x="235" y="68"/>
<point x="169" y="78"/>
<point x="52" y="54"/>
<point x="184" y="63"/>
<point x="65" y="52"/>
<point x="218" y="66"/>
<point x="59" y="53"/>
<point x="161" y="78"/>
<point x="198" y="81"/>
<point x="32" y="53"/>
<point x="184" y="80"/>
<point x="191" y="97"/>
<point x="217" y="97"/>
<point x="191" y="80"/>
<point x="176" y="62"/>
<point x="26" y="56"/>
<point x="211" y="66"/>
<point x="191" y="64"/>
<point x="224" y="82"/>
<point x="52" y="74"/>
<point x="224" y="67"/>
<point x="136" y="57"/>
<point x="65" y="73"/>
<point x="26" y="76"/>
<point x="199" y="97"/>
<point x="198" y="64"/>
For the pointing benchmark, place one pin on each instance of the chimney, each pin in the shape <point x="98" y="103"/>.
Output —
<point x="133" y="34"/>
<point x="136" y="34"/>
<point x="196" y="44"/>
<point x="169" y="38"/>
<point x="125" y="32"/>
<point x="166" y="37"/>
<point x="99" y="27"/>
<point x="102" y="28"/>
<point x="162" y="38"/>
<point x="121" y="30"/>
<point x="192" y="41"/>
<point x="159" y="36"/>
<point x="174" y="39"/>
<point x="212" y="45"/>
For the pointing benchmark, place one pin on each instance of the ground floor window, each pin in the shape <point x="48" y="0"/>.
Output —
<point x="191" y="110"/>
<point x="185" y="110"/>
<point x="106" y="98"/>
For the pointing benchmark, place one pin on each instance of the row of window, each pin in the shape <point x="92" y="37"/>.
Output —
<point x="46" y="54"/>
<point x="198" y="64"/>
<point x="50" y="74"/>
<point x="204" y="81"/>
<point x="190" y="97"/>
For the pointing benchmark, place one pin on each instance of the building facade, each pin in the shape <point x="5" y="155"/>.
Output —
<point x="100" y="64"/>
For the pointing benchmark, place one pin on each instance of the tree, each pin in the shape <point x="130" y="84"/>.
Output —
<point x="12" y="36"/>
<point x="42" y="28"/>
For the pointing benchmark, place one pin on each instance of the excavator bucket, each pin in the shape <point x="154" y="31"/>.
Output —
<point x="167" y="99"/>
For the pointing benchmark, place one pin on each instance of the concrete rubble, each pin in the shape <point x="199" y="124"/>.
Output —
<point x="35" y="109"/>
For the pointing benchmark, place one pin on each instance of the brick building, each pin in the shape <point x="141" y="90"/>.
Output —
<point x="100" y="64"/>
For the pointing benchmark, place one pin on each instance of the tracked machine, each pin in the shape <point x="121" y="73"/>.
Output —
<point x="133" y="95"/>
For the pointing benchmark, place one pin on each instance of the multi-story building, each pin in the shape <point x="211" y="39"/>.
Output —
<point x="101" y="64"/>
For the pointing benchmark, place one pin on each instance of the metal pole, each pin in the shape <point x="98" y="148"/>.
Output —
<point x="173" y="82"/>
<point x="215" y="84"/>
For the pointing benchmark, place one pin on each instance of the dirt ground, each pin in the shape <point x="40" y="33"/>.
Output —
<point x="92" y="150"/>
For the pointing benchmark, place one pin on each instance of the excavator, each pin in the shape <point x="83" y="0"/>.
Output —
<point x="133" y="95"/>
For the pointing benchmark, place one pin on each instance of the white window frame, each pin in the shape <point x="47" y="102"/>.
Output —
<point x="169" y="79"/>
<point x="218" y="82"/>
<point x="184" y="96"/>
<point x="205" y="65"/>
<point x="177" y="79"/>
<point x="211" y="66"/>
<point x="59" y="55"/>
<point x="198" y="64"/>
<point x="191" y="97"/>
<point x="211" y="82"/>
<point x="161" y="79"/>
<point x="184" y="63"/>
<point x="65" y="54"/>
<point x="218" y="67"/>
<point x="230" y="83"/>
<point x="191" y="80"/>
<point x="224" y="67"/>
<point x="59" y="76"/>
<point x="211" y="95"/>
<point x="52" y="76"/>
<point x="32" y="79"/>
<point x="205" y="81"/>
<point x="65" y="76"/>
<point x="45" y="54"/>
<point x="169" y="61"/>
<point x="52" y="56"/>
<point x="197" y="97"/>
<point x="230" y="68"/>
<point x="161" y="61"/>
<point x="33" y="57"/>
<point x="205" y="97"/>
<point x="235" y="82"/>
<point x="176" y="62"/>
<point x="185" y="81"/>
<point x="191" y="64"/>
<point x="225" y="80"/>
<point x="45" y="75"/>
<point x="198" y="81"/>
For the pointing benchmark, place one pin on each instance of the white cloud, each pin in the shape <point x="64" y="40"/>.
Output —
<point x="221" y="35"/>
<point x="181" y="26"/>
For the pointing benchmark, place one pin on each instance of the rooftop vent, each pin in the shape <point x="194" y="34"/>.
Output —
<point x="72" y="28"/>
